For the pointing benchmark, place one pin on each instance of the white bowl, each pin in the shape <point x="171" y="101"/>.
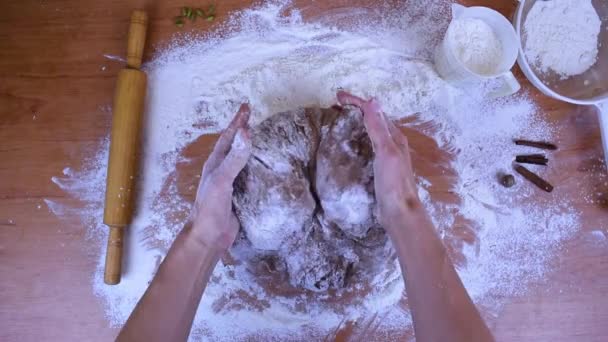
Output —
<point x="588" y="88"/>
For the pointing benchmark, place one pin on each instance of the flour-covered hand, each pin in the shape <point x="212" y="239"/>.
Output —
<point x="213" y="220"/>
<point x="394" y="183"/>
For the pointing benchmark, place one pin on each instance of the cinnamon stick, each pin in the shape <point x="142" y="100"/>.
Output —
<point x="537" y="144"/>
<point x="534" y="178"/>
<point x="538" y="159"/>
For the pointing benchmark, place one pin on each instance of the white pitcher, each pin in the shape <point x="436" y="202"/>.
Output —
<point x="451" y="69"/>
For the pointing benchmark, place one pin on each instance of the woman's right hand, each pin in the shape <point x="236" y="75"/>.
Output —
<point x="395" y="188"/>
<point x="441" y="307"/>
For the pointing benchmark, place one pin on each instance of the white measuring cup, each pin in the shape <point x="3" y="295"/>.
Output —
<point x="452" y="70"/>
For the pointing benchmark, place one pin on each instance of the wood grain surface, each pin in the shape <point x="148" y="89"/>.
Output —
<point x="55" y="88"/>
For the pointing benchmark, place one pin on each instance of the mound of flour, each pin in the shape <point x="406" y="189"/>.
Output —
<point x="274" y="59"/>
<point x="562" y="36"/>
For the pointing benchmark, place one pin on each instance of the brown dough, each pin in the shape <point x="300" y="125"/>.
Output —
<point x="272" y="195"/>
<point x="306" y="196"/>
<point x="344" y="174"/>
<point x="314" y="264"/>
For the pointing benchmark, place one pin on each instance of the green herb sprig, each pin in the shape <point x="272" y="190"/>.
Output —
<point x="193" y="13"/>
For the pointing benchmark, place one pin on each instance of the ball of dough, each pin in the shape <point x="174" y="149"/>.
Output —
<point x="305" y="198"/>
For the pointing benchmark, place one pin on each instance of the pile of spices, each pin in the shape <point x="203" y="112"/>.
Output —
<point x="536" y="159"/>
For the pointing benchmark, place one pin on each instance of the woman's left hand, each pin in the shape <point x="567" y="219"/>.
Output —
<point x="213" y="221"/>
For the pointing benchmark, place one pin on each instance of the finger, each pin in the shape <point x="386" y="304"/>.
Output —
<point x="374" y="120"/>
<point x="345" y="98"/>
<point x="239" y="121"/>
<point x="236" y="159"/>
<point x="403" y="144"/>
<point x="398" y="137"/>
<point x="222" y="146"/>
<point x="378" y="131"/>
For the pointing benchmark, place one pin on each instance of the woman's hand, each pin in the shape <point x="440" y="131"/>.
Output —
<point x="213" y="221"/>
<point x="441" y="307"/>
<point x="394" y="183"/>
<point x="167" y="309"/>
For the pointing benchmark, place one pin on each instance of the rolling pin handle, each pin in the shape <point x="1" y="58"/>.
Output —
<point x="137" y="38"/>
<point x="113" y="268"/>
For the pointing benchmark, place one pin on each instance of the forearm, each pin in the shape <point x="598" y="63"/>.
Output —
<point x="167" y="309"/>
<point x="441" y="307"/>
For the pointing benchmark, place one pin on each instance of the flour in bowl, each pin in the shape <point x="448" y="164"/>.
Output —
<point x="562" y="36"/>
<point x="475" y="45"/>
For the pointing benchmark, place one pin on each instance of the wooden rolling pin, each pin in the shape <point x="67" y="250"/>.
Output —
<point x="122" y="164"/>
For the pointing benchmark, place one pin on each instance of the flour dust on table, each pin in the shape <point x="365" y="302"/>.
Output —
<point x="273" y="58"/>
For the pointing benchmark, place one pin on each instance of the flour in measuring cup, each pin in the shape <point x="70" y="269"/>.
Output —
<point x="562" y="36"/>
<point x="475" y="45"/>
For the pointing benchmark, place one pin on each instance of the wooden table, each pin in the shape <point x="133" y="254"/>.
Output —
<point x="54" y="86"/>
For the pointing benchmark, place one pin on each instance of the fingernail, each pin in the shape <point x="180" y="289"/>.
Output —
<point x="244" y="113"/>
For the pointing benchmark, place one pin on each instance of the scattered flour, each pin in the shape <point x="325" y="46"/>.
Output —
<point x="270" y="57"/>
<point x="476" y="45"/>
<point x="562" y="36"/>
<point x="353" y="205"/>
<point x="274" y="222"/>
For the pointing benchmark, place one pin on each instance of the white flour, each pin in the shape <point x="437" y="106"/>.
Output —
<point x="562" y="36"/>
<point x="352" y="205"/>
<point x="279" y="63"/>
<point x="476" y="45"/>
